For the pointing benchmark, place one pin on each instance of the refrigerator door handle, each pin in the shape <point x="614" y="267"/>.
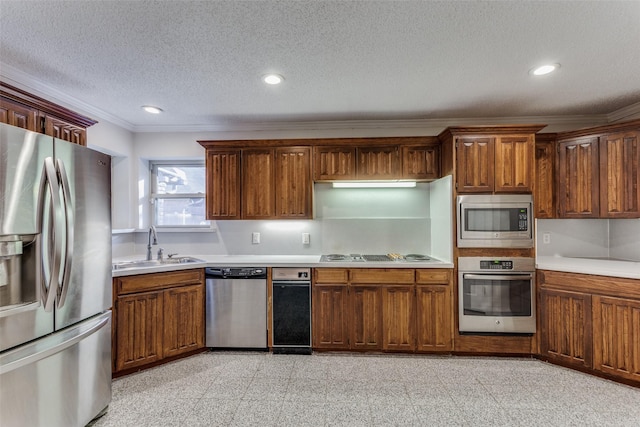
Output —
<point x="18" y="308"/>
<point x="34" y="353"/>
<point x="50" y="236"/>
<point x="69" y="222"/>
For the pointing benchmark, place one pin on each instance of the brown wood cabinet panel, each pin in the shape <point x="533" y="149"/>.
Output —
<point x="258" y="197"/>
<point x="420" y="161"/>
<point x="146" y="282"/>
<point x="616" y="336"/>
<point x="620" y="175"/>
<point x="19" y="115"/>
<point x="366" y="317"/>
<point x="331" y="275"/>
<point x="382" y="275"/>
<point x="223" y="184"/>
<point x="62" y="129"/>
<point x="475" y="164"/>
<point x="544" y="194"/>
<point x="378" y="163"/>
<point x="514" y="164"/>
<point x="566" y="327"/>
<point x="578" y="178"/>
<point x="331" y="324"/>
<point x="334" y="163"/>
<point x="138" y="334"/>
<point x="434" y="276"/>
<point x="434" y="320"/>
<point x="183" y="320"/>
<point x="294" y="187"/>
<point x="398" y="318"/>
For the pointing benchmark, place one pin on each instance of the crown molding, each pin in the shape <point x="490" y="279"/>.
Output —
<point x="630" y="112"/>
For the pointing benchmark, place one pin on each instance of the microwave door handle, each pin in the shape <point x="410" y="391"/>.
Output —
<point x="503" y="277"/>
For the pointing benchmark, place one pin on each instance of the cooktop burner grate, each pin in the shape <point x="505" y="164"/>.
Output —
<point x="376" y="257"/>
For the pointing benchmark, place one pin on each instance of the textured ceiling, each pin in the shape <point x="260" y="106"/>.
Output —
<point x="201" y="61"/>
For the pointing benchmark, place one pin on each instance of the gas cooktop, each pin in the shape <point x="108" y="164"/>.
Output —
<point x="374" y="258"/>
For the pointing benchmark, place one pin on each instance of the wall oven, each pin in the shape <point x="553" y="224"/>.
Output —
<point x="495" y="221"/>
<point x="496" y="295"/>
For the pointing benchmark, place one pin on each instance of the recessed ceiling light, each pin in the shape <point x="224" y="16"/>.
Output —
<point x="151" y="109"/>
<point x="272" y="79"/>
<point x="544" y="69"/>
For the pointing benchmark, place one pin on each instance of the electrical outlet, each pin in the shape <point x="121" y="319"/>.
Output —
<point x="255" y="237"/>
<point x="306" y="238"/>
<point x="546" y="238"/>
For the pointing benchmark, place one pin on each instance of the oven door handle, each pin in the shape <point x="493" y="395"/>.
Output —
<point x="504" y="277"/>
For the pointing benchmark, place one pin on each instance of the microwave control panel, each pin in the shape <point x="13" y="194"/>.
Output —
<point x="496" y="265"/>
<point x="522" y="220"/>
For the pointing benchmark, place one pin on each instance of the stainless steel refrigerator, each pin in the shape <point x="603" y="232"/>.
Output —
<point x="55" y="281"/>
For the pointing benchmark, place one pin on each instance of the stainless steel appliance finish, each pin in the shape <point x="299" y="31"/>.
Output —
<point x="291" y="310"/>
<point x="236" y="307"/>
<point x="495" y="221"/>
<point x="496" y="295"/>
<point x="55" y="276"/>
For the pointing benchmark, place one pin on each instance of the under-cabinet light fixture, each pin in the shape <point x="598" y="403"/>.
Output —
<point x="373" y="184"/>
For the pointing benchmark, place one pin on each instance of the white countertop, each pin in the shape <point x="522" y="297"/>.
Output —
<point x="311" y="261"/>
<point x="599" y="267"/>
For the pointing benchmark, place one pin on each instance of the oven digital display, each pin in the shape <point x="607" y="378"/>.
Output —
<point x="496" y="265"/>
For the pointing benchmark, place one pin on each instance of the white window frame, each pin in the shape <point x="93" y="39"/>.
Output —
<point x="154" y="196"/>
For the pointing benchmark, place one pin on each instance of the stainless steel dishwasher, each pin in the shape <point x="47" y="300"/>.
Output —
<point x="291" y="310"/>
<point x="236" y="308"/>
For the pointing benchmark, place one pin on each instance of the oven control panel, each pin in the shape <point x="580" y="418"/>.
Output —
<point x="496" y="265"/>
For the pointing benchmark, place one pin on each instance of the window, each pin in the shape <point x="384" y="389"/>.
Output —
<point x="177" y="194"/>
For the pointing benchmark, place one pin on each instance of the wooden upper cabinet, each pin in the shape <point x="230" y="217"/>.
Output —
<point x="16" y="114"/>
<point x="293" y="183"/>
<point x="475" y="164"/>
<point x="544" y="194"/>
<point x="578" y="178"/>
<point x="421" y="161"/>
<point x="64" y="130"/>
<point x="223" y="184"/>
<point x="620" y="175"/>
<point x="258" y="200"/>
<point x="514" y="164"/>
<point x="378" y="162"/>
<point x="334" y="163"/>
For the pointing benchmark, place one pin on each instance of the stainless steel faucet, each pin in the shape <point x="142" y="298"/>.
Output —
<point x="152" y="232"/>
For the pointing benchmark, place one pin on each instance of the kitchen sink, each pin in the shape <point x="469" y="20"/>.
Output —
<point x="154" y="262"/>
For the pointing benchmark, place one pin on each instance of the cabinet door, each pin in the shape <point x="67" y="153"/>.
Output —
<point x="566" y="327"/>
<point x="420" y="162"/>
<point x="578" y="178"/>
<point x="514" y="164"/>
<point x="183" y="320"/>
<point x="434" y="324"/>
<point x="620" y="175"/>
<point x="223" y="184"/>
<point x="334" y="163"/>
<point x="366" y="317"/>
<point x="64" y="130"/>
<point x="293" y="183"/>
<point x="378" y="163"/>
<point x="19" y="115"/>
<point x="330" y="317"/>
<point x="543" y="195"/>
<point x="258" y="198"/>
<point x="398" y="318"/>
<point x="475" y="164"/>
<point x="138" y="329"/>
<point x="616" y="336"/>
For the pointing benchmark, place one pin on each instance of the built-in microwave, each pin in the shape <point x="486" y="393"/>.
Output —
<point x="495" y="221"/>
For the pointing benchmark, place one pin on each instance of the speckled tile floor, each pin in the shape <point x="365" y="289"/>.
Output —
<point x="262" y="389"/>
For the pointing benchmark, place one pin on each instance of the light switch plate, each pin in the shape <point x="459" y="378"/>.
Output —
<point x="306" y="239"/>
<point x="255" y="237"/>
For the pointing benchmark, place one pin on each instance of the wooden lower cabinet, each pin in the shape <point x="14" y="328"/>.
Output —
<point x="157" y="316"/>
<point x="566" y="327"/>
<point x="392" y="310"/>
<point x="616" y="336"/>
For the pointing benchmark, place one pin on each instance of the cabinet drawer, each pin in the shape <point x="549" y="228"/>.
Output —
<point x="433" y="276"/>
<point x="383" y="275"/>
<point x="331" y="275"/>
<point x="144" y="282"/>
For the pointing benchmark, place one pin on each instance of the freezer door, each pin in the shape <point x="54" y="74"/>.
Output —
<point x="85" y="177"/>
<point x="63" y="379"/>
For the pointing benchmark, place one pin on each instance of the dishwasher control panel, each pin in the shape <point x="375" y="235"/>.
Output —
<point x="291" y="274"/>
